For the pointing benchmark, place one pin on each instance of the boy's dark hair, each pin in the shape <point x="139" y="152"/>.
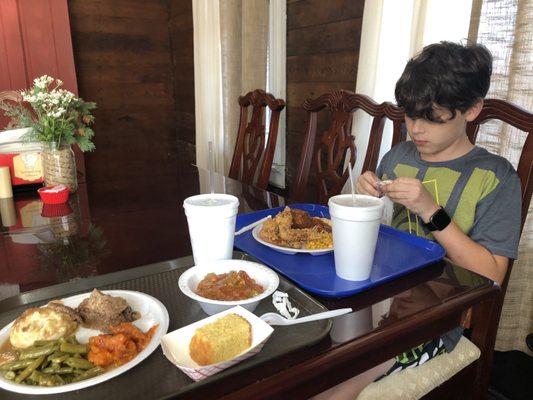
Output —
<point x="445" y="75"/>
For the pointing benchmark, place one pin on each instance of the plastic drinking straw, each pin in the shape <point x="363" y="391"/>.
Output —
<point x="210" y="167"/>
<point x="351" y="183"/>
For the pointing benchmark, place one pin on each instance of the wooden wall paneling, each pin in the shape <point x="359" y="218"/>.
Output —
<point x="316" y="12"/>
<point x="12" y="66"/>
<point x="341" y="67"/>
<point x="323" y="39"/>
<point x="47" y="43"/>
<point x="181" y="36"/>
<point x="123" y="53"/>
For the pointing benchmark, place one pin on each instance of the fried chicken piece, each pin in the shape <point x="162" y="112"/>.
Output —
<point x="322" y="224"/>
<point x="301" y="219"/>
<point x="270" y="232"/>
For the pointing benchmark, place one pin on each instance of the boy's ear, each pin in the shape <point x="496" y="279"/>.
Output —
<point x="472" y="113"/>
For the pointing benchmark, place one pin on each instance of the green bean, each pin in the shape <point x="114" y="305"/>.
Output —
<point x="73" y="348"/>
<point x="88" y="374"/>
<point x="10" y="375"/>
<point x="60" y="370"/>
<point x="79" y="363"/>
<point x="34" y="352"/>
<point x="29" y="369"/>
<point x="39" y="343"/>
<point x="72" y="339"/>
<point x="44" y="379"/>
<point x="58" y="357"/>
<point x="60" y="380"/>
<point x="14" y="365"/>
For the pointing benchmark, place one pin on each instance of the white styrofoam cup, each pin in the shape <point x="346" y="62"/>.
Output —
<point x="355" y="233"/>
<point x="211" y="219"/>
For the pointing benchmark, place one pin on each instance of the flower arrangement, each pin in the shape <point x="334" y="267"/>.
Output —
<point x="56" y="116"/>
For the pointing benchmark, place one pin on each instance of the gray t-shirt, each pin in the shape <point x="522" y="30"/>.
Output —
<point x="480" y="191"/>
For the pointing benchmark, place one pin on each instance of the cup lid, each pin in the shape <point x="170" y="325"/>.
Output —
<point x="366" y="207"/>
<point x="212" y="203"/>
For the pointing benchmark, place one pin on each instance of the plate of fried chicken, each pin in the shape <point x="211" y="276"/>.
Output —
<point x="294" y="231"/>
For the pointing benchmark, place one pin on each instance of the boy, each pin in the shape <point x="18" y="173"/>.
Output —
<point x="444" y="187"/>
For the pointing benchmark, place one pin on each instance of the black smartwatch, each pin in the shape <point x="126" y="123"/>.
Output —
<point x="438" y="221"/>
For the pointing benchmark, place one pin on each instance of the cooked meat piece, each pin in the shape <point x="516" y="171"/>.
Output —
<point x="284" y="219"/>
<point x="270" y="232"/>
<point x="323" y="226"/>
<point x="301" y="219"/>
<point x="60" y="307"/>
<point x="130" y="315"/>
<point x="100" y="311"/>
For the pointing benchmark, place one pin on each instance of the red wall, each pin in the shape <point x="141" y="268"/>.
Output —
<point x="35" y="40"/>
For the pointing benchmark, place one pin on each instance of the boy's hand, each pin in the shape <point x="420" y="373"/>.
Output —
<point x="412" y="194"/>
<point x="367" y="184"/>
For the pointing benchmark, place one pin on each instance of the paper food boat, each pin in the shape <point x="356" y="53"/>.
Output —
<point x="175" y="344"/>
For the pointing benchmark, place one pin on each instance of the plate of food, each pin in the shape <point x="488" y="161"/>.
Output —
<point x="294" y="231"/>
<point x="79" y="341"/>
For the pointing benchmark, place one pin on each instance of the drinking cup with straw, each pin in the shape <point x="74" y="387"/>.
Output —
<point x="351" y="183"/>
<point x="355" y="220"/>
<point x="211" y="219"/>
<point x="210" y="168"/>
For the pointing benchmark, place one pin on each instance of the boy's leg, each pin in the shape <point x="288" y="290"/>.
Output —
<point x="350" y="389"/>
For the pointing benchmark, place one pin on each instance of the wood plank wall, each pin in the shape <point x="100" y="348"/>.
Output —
<point x="181" y="34"/>
<point x="323" y="40"/>
<point x="133" y="58"/>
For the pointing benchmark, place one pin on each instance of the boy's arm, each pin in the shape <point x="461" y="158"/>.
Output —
<point x="459" y="247"/>
<point x="471" y="255"/>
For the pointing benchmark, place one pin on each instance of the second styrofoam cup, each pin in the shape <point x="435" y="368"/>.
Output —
<point x="355" y="234"/>
<point x="211" y="219"/>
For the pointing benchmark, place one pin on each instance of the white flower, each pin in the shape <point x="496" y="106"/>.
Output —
<point x="43" y="82"/>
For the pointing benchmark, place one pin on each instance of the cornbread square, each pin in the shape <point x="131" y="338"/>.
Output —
<point x="220" y="340"/>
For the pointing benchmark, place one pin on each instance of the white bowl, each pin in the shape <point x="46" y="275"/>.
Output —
<point x="264" y="276"/>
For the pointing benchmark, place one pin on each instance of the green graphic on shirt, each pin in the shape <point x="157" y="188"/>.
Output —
<point x="445" y="179"/>
<point x="441" y="182"/>
<point x="480" y="184"/>
<point x="405" y="170"/>
<point x="400" y="212"/>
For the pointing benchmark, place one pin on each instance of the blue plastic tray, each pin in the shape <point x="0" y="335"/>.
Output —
<point x="397" y="253"/>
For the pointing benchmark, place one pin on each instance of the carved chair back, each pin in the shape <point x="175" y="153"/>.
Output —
<point x="250" y="150"/>
<point x="485" y="322"/>
<point x="328" y="156"/>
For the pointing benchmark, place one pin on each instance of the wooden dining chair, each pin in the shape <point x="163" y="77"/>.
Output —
<point x="472" y="381"/>
<point x="324" y="162"/>
<point x="250" y="150"/>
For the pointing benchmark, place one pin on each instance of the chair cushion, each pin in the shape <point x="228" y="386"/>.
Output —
<point x="414" y="383"/>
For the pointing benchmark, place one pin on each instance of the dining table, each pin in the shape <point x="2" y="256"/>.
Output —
<point x="136" y="228"/>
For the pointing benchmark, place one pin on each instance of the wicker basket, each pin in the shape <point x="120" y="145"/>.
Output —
<point x="59" y="167"/>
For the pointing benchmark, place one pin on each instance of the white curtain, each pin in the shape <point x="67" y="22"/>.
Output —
<point x="505" y="27"/>
<point x="392" y="32"/>
<point x="208" y="83"/>
<point x="230" y="59"/>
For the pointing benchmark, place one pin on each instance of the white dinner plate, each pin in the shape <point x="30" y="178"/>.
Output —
<point x="152" y="312"/>
<point x="287" y="250"/>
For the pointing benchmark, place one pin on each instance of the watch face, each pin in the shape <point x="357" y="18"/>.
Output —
<point x="440" y="220"/>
